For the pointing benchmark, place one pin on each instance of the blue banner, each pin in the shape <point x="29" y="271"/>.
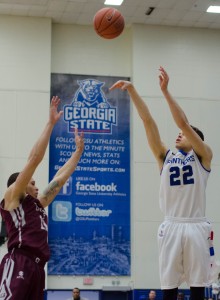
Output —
<point x="89" y="221"/>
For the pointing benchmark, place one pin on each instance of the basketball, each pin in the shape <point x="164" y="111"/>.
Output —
<point x="108" y="23"/>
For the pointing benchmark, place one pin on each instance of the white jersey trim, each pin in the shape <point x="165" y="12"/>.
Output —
<point x="185" y="220"/>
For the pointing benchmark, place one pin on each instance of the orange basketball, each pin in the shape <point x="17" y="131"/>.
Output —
<point x="108" y="23"/>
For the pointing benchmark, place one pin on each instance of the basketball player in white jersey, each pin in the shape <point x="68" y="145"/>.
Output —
<point x="185" y="238"/>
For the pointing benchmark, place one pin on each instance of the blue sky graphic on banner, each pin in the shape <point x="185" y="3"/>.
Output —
<point x="89" y="221"/>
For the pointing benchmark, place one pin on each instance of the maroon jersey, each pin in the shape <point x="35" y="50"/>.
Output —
<point x="27" y="227"/>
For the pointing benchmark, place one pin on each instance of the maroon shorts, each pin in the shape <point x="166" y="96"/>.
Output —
<point x="21" y="277"/>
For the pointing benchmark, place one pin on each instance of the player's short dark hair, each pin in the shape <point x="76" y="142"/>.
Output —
<point x="12" y="178"/>
<point x="199" y="132"/>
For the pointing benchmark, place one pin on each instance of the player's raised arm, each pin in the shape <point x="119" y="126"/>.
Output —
<point x="158" y="148"/>
<point x="64" y="172"/>
<point x="16" y="190"/>
<point x="198" y="145"/>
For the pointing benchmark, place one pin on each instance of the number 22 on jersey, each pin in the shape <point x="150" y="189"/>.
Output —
<point x="181" y="178"/>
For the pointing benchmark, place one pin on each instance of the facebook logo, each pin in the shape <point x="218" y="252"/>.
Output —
<point x="62" y="211"/>
<point x="67" y="188"/>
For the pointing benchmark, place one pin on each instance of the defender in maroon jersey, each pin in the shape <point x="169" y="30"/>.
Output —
<point x="22" y="273"/>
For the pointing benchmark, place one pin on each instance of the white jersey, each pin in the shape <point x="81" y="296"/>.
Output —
<point x="183" y="185"/>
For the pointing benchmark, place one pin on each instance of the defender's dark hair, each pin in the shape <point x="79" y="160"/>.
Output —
<point x="199" y="132"/>
<point x="12" y="178"/>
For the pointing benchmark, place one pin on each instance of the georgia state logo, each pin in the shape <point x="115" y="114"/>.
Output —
<point x="90" y="110"/>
